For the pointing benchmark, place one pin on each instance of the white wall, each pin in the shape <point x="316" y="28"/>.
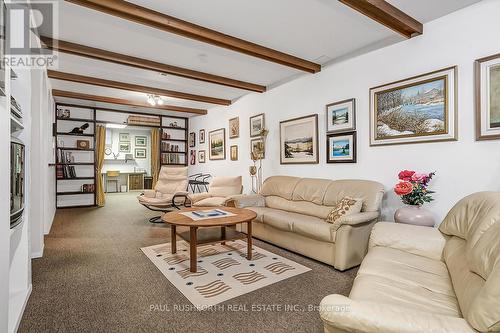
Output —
<point x="462" y="167"/>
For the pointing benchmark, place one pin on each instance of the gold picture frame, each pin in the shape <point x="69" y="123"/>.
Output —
<point x="487" y="97"/>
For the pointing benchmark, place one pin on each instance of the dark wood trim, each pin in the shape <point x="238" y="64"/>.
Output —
<point x="122" y="59"/>
<point x="134" y="87"/>
<point x="154" y="19"/>
<point x="112" y="100"/>
<point x="388" y="15"/>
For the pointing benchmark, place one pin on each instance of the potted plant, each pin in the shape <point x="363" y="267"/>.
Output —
<point x="413" y="190"/>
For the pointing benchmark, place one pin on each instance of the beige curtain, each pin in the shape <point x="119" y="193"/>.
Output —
<point x="155" y="154"/>
<point x="100" y="142"/>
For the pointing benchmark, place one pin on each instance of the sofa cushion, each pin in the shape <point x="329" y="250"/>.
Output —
<point x="315" y="228"/>
<point x="300" y="207"/>
<point x="345" y="207"/>
<point x="280" y="219"/>
<point x="404" y="279"/>
<point x="225" y="186"/>
<point x="370" y="192"/>
<point x="260" y="212"/>
<point x="210" y="202"/>
<point x="281" y="186"/>
<point x="311" y="190"/>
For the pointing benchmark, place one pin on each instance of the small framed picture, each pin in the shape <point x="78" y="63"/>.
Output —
<point x="124" y="147"/>
<point x="202" y="136"/>
<point x="341" y="148"/>
<point x="257" y="124"/>
<point x="233" y="152"/>
<point x="487" y="84"/>
<point x="124" y="137"/>
<point x="192" y="139"/>
<point x="341" y="116"/>
<point x="217" y="144"/>
<point x="257" y="147"/>
<point x="140" y="153"/>
<point x="234" y="128"/>
<point x="192" y="157"/>
<point x="141" y="141"/>
<point x="201" y="156"/>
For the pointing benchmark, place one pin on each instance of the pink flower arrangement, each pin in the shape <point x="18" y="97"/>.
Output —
<point x="412" y="187"/>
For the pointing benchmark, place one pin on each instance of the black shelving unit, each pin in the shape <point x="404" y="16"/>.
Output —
<point x="170" y="129"/>
<point x="77" y="121"/>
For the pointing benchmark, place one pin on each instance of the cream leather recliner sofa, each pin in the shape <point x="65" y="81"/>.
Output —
<point x="221" y="188"/>
<point x="291" y="213"/>
<point x="421" y="279"/>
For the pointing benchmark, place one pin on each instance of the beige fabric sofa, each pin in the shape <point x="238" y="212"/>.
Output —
<point x="291" y="213"/>
<point x="421" y="279"/>
<point x="220" y="189"/>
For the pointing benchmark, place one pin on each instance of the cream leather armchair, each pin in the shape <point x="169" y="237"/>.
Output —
<point x="221" y="188"/>
<point x="170" y="191"/>
<point x="421" y="279"/>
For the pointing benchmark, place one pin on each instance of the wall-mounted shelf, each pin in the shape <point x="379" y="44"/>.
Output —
<point x="76" y="163"/>
<point x="174" y="134"/>
<point x="74" y="134"/>
<point x="74" y="193"/>
<point x="76" y="149"/>
<point x="76" y="178"/>
<point x="75" y="119"/>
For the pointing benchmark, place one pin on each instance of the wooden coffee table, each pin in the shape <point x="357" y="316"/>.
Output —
<point x="211" y="231"/>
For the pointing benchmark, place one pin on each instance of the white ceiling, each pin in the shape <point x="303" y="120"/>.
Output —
<point x="316" y="30"/>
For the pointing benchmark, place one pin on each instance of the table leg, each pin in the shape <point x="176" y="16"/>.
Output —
<point x="249" y="240"/>
<point x="192" y="249"/>
<point x="173" y="239"/>
<point x="223" y="234"/>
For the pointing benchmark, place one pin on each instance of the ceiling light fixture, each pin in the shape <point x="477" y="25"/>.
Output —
<point x="154" y="100"/>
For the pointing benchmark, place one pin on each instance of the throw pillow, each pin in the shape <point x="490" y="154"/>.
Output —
<point x="346" y="206"/>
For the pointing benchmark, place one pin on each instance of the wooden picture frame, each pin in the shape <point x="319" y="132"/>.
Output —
<point x="202" y="136"/>
<point x="254" y="143"/>
<point x="341" y="116"/>
<point x="299" y="140"/>
<point x="201" y="156"/>
<point x="217" y="144"/>
<point x="233" y="152"/>
<point x="192" y="139"/>
<point x="141" y="141"/>
<point x="487" y="103"/>
<point x="419" y="109"/>
<point x="234" y="128"/>
<point x="257" y="124"/>
<point x="341" y="147"/>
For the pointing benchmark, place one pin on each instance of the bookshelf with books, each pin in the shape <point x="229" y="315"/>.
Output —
<point x="173" y="141"/>
<point x="75" y="156"/>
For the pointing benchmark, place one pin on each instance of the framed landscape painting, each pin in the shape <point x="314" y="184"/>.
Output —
<point x="299" y="140"/>
<point x="487" y="91"/>
<point x="140" y="153"/>
<point x="234" y="127"/>
<point x="141" y="141"/>
<point x="257" y="147"/>
<point x="217" y="144"/>
<point x="341" y="148"/>
<point x="341" y="116"/>
<point x="257" y="124"/>
<point x="415" y="110"/>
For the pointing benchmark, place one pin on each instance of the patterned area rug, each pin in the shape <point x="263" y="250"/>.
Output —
<point x="223" y="273"/>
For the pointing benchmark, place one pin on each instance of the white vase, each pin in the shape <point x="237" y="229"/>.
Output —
<point x="415" y="215"/>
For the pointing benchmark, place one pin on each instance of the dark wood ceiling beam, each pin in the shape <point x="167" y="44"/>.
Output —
<point x="388" y="15"/>
<point x="120" y="101"/>
<point x="151" y="18"/>
<point x="122" y="59"/>
<point x="134" y="87"/>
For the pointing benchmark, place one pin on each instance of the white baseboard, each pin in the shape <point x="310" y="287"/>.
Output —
<point x="38" y="254"/>
<point x="19" y="311"/>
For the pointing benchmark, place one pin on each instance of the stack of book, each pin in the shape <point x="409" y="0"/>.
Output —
<point x="167" y="147"/>
<point x="88" y="188"/>
<point x="64" y="171"/>
<point x="167" y="158"/>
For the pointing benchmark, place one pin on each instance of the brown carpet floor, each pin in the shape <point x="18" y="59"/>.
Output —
<point x="93" y="277"/>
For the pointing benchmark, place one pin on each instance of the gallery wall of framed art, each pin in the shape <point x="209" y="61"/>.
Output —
<point x="448" y="130"/>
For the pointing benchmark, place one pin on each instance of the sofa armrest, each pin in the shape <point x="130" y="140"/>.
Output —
<point x="195" y="197"/>
<point x="424" y="241"/>
<point x="246" y="200"/>
<point x="354" y="219"/>
<point x="341" y="312"/>
<point x="149" y="193"/>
